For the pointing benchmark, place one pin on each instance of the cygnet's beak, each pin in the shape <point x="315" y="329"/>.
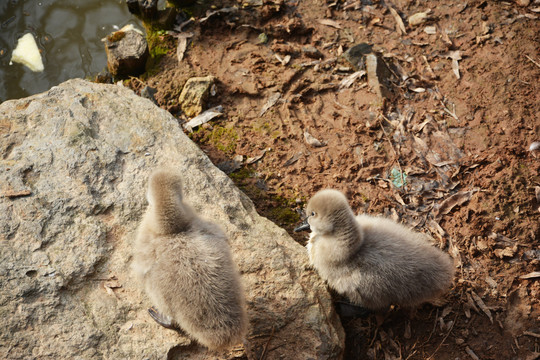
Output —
<point x="303" y="226"/>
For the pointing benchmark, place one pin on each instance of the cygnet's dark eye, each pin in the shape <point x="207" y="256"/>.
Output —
<point x="312" y="213"/>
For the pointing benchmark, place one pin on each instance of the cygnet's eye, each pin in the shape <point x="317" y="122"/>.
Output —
<point x="313" y="213"/>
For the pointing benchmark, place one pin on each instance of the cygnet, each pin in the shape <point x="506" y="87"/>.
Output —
<point x="186" y="267"/>
<point x="373" y="261"/>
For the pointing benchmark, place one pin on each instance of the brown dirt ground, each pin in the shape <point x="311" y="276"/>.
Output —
<point x="462" y="143"/>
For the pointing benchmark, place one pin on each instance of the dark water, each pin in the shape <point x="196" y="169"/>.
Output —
<point x="68" y="33"/>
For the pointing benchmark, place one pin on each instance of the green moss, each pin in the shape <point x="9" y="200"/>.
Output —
<point x="284" y="215"/>
<point x="224" y="139"/>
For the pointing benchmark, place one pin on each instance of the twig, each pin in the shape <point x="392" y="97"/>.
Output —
<point x="445" y="337"/>
<point x="263" y="355"/>
<point x="534" y="62"/>
<point x="530" y="333"/>
<point x="396" y="157"/>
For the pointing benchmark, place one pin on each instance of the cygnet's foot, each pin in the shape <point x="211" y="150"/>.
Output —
<point x="161" y="319"/>
<point x="348" y="310"/>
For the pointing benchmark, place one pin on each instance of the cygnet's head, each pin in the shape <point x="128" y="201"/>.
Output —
<point x="328" y="212"/>
<point x="164" y="185"/>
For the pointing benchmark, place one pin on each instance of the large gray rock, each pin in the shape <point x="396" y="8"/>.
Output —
<point x="73" y="177"/>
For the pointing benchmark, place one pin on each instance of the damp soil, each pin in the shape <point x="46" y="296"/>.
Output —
<point x="447" y="156"/>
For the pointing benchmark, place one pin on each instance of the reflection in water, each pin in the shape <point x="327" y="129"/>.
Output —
<point x="67" y="32"/>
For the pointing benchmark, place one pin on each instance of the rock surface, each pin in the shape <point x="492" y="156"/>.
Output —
<point x="194" y="95"/>
<point x="75" y="165"/>
<point x="127" y="51"/>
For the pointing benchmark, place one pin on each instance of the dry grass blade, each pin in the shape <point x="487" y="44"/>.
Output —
<point x="482" y="305"/>
<point x="534" y="62"/>
<point x="329" y="22"/>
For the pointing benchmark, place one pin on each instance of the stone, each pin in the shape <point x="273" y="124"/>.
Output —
<point x="79" y="156"/>
<point x="127" y="52"/>
<point x="194" y="95"/>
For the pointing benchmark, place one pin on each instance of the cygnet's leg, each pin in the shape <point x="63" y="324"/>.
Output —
<point x="162" y="320"/>
<point x="348" y="310"/>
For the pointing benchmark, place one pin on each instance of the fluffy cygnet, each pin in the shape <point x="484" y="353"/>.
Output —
<point x="373" y="261"/>
<point x="187" y="269"/>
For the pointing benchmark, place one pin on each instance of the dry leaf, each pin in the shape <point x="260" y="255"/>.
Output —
<point x="399" y="21"/>
<point x="183" y="40"/>
<point x="252" y="160"/>
<point x="329" y="22"/>
<point x="311" y="140"/>
<point x="272" y="100"/>
<point x="482" y="305"/>
<point x="203" y="118"/>
<point x="293" y="159"/>
<point x="506" y="252"/>
<point x="349" y="80"/>
<point x="455" y="200"/>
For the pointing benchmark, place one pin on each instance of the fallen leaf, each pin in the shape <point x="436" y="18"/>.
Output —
<point x="349" y="80"/>
<point x="506" y="252"/>
<point x="252" y="160"/>
<point x="203" y="118"/>
<point x="311" y="140"/>
<point x="293" y="159"/>
<point x="455" y="56"/>
<point x="399" y="21"/>
<point x="183" y="40"/>
<point x="455" y="200"/>
<point x="272" y="100"/>
<point x="482" y="305"/>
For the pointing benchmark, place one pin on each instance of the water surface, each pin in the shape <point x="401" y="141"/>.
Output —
<point x="68" y="33"/>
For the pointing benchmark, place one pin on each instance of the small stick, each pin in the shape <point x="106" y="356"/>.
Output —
<point x="263" y="355"/>
<point x="534" y="62"/>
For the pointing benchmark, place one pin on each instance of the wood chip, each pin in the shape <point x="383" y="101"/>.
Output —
<point x="482" y="305"/>
<point x="418" y="18"/>
<point x="471" y="353"/>
<point x="329" y="22"/>
<point x="532" y="275"/>
<point x="399" y="21"/>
